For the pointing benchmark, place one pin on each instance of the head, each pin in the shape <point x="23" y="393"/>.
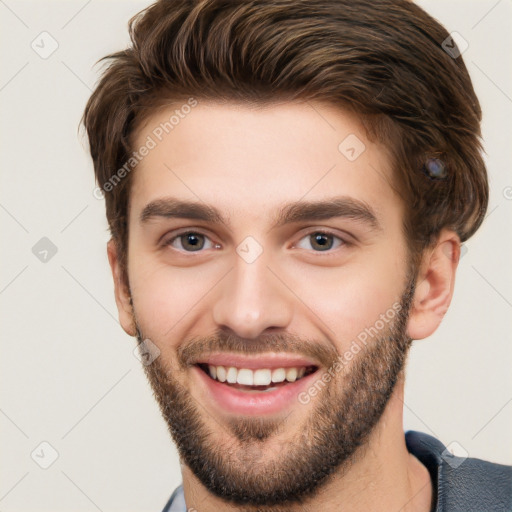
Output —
<point x="334" y="169"/>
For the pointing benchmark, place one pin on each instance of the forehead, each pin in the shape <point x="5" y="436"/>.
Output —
<point x="248" y="161"/>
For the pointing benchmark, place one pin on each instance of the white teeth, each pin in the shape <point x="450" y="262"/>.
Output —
<point x="259" y="377"/>
<point x="291" y="374"/>
<point x="221" y="373"/>
<point x="245" y="377"/>
<point x="278" y="375"/>
<point x="231" y="375"/>
<point x="262" y="377"/>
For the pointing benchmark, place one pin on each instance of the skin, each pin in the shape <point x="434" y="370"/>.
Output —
<point x="248" y="162"/>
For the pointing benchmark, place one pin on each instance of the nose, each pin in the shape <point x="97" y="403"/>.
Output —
<point x="252" y="299"/>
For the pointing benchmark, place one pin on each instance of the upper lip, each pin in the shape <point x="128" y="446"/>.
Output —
<point x="269" y="361"/>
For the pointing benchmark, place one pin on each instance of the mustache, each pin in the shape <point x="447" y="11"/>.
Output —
<point x="190" y="352"/>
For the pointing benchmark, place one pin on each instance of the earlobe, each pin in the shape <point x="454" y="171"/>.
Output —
<point x="435" y="285"/>
<point x="121" y="290"/>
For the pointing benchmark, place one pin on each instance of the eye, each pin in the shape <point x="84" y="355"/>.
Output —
<point x="190" y="241"/>
<point x="194" y="241"/>
<point x="322" y="240"/>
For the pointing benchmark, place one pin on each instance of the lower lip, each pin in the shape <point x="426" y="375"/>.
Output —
<point x="254" y="403"/>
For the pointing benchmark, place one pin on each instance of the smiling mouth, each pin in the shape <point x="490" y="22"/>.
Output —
<point x="258" y="380"/>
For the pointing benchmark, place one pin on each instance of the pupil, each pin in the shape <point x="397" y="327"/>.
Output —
<point x="320" y="239"/>
<point x="194" y="241"/>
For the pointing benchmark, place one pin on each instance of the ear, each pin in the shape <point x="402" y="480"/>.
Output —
<point x="122" y="290"/>
<point x="434" y="285"/>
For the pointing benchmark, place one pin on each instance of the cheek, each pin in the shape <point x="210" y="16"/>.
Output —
<point x="171" y="302"/>
<point x="165" y="297"/>
<point x="351" y="307"/>
<point x="349" y="299"/>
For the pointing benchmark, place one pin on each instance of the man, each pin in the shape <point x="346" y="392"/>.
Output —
<point x="287" y="185"/>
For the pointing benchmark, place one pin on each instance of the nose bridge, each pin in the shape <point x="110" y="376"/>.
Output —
<point x="252" y="299"/>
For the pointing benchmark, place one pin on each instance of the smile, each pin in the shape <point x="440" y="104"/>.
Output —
<point x="268" y="386"/>
<point x="261" y="379"/>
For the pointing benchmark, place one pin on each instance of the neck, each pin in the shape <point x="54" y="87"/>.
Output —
<point x="385" y="476"/>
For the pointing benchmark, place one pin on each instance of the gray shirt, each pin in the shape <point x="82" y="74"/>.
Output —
<point x="461" y="484"/>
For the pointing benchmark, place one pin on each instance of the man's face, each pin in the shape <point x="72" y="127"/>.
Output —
<point x="268" y="291"/>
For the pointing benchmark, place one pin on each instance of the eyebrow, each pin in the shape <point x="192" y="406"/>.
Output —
<point x="299" y="211"/>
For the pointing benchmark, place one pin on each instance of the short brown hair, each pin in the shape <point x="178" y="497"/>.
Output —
<point x="382" y="59"/>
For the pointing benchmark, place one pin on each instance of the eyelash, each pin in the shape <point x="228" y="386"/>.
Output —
<point x="344" y="242"/>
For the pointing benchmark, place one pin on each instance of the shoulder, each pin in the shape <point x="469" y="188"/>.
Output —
<point x="462" y="483"/>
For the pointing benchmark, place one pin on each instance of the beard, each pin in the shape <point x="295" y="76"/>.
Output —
<point x="244" y="460"/>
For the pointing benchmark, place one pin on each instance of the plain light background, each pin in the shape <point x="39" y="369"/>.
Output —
<point x="69" y="376"/>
